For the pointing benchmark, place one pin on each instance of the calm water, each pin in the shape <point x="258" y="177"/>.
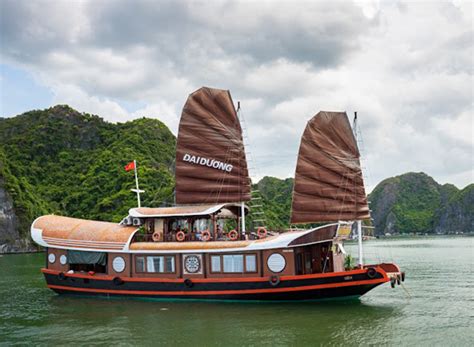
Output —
<point x="437" y="308"/>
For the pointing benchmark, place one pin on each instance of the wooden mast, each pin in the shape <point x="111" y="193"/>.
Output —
<point x="359" y="222"/>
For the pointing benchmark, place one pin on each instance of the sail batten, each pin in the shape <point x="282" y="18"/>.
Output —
<point x="328" y="180"/>
<point x="328" y="171"/>
<point x="211" y="166"/>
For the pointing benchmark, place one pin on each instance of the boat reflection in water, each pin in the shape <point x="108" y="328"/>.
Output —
<point x="200" y="249"/>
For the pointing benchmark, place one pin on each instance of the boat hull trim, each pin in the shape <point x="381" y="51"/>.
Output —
<point x="284" y="288"/>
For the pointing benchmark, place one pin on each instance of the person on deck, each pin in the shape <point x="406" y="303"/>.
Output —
<point x="220" y="233"/>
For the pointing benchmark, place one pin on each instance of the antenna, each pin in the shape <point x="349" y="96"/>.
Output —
<point x="354" y="125"/>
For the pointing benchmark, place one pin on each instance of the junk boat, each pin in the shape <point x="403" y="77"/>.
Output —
<point x="201" y="248"/>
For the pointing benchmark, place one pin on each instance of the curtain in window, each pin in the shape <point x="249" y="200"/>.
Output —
<point x="83" y="257"/>
<point x="140" y="266"/>
<point x="169" y="264"/>
<point x="250" y="263"/>
<point x="233" y="263"/>
<point x="155" y="264"/>
<point x="216" y="263"/>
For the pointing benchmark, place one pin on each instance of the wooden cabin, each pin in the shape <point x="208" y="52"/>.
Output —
<point x="146" y="244"/>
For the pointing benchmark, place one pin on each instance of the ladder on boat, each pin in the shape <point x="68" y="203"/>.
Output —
<point x="257" y="218"/>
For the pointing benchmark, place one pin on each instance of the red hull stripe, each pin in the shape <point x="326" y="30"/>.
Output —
<point x="219" y="280"/>
<point x="218" y="292"/>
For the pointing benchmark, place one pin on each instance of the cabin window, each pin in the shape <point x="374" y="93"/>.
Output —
<point x="87" y="261"/>
<point x="250" y="263"/>
<point x="118" y="264"/>
<point x="233" y="263"/>
<point x="51" y="258"/>
<point x="180" y="225"/>
<point x="63" y="259"/>
<point x="155" y="264"/>
<point x="169" y="264"/>
<point x="216" y="263"/>
<point x="140" y="264"/>
<point x="276" y="262"/>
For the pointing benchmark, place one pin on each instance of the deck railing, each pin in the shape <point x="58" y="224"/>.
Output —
<point x="171" y="237"/>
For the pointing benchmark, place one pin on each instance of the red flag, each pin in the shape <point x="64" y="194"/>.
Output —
<point x="130" y="166"/>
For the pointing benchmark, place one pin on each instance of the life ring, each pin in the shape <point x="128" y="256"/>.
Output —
<point x="274" y="280"/>
<point x="233" y="235"/>
<point x="117" y="281"/>
<point x="261" y="232"/>
<point x="180" y="236"/>
<point x="206" y="235"/>
<point x="371" y="272"/>
<point x="62" y="276"/>
<point x="156" y="236"/>
<point x="188" y="283"/>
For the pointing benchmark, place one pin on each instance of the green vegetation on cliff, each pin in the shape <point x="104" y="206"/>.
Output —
<point x="410" y="203"/>
<point x="416" y="203"/>
<point x="64" y="162"/>
<point x="276" y="201"/>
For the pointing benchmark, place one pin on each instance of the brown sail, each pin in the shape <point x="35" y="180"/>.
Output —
<point x="210" y="157"/>
<point x="328" y="179"/>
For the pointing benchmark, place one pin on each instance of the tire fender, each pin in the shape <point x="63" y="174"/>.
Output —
<point x="274" y="280"/>
<point x="188" y="283"/>
<point x="117" y="281"/>
<point x="371" y="272"/>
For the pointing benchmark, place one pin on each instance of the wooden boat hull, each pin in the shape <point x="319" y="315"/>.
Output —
<point x="285" y="288"/>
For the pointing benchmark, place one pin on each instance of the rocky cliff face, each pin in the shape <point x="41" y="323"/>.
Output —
<point x="10" y="240"/>
<point x="416" y="203"/>
<point x="8" y="220"/>
<point x="457" y="214"/>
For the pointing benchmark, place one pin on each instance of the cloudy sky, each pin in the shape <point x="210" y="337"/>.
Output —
<point x="406" y="67"/>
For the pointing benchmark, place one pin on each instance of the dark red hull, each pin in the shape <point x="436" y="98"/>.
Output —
<point x="288" y="288"/>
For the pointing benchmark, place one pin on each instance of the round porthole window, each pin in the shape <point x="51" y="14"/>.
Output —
<point x="51" y="258"/>
<point x="118" y="264"/>
<point x="63" y="259"/>
<point x="276" y="262"/>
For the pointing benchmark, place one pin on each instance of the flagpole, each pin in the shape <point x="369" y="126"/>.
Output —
<point x="136" y="182"/>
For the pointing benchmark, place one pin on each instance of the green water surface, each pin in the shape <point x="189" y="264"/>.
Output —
<point x="435" y="307"/>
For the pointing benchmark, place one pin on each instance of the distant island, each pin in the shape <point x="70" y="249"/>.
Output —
<point x="69" y="163"/>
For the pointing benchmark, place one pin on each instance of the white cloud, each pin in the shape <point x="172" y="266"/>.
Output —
<point x="165" y="112"/>
<point x="77" y="99"/>
<point x="406" y="67"/>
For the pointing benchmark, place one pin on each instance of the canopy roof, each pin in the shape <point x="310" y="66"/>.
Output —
<point x="211" y="166"/>
<point x="328" y="179"/>
<point x="66" y="232"/>
<point x="182" y="211"/>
